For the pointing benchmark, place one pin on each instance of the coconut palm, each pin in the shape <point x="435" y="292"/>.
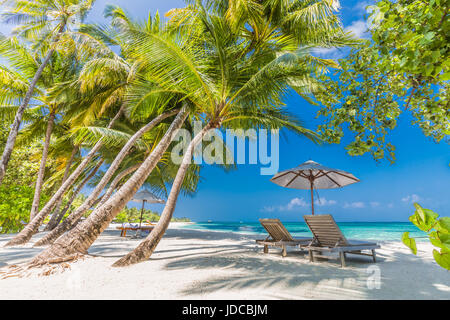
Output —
<point x="40" y="19"/>
<point x="78" y="99"/>
<point x="101" y="86"/>
<point x="108" y="73"/>
<point x="78" y="213"/>
<point x="78" y="189"/>
<point x="48" y="105"/>
<point x="68" y="161"/>
<point x="204" y="64"/>
<point x="250" y="94"/>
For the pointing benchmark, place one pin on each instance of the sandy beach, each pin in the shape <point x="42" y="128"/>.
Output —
<point x="191" y="264"/>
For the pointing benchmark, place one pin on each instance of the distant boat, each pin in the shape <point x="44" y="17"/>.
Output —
<point x="209" y="221"/>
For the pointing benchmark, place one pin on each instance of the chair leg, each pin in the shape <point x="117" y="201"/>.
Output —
<point x="342" y="256"/>
<point x="311" y="256"/>
<point x="266" y="248"/>
<point x="374" y="256"/>
<point x="283" y="252"/>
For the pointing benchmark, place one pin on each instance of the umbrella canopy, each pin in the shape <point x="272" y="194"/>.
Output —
<point x="312" y="175"/>
<point x="147" y="196"/>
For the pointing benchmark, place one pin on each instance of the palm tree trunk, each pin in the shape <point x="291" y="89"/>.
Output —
<point x="115" y="182"/>
<point x="78" y="240"/>
<point x="52" y="223"/>
<point x="66" y="225"/>
<point x="78" y="190"/>
<point x="76" y="215"/>
<point x="31" y="228"/>
<point x="146" y="247"/>
<point x="41" y="172"/>
<point x="9" y="146"/>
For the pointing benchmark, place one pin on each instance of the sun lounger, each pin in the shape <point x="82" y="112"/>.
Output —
<point x="125" y="228"/>
<point x="329" y="238"/>
<point x="279" y="236"/>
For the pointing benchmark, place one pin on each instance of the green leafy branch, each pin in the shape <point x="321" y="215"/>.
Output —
<point x="438" y="231"/>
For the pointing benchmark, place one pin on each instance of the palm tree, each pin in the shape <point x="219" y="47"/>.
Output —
<point x="78" y="213"/>
<point x="107" y="73"/>
<point x="206" y="66"/>
<point x="78" y="189"/>
<point x="45" y="115"/>
<point x="68" y="164"/>
<point x="40" y="19"/>
<point x="32" y="227"/>
<point x="252" y="98"/>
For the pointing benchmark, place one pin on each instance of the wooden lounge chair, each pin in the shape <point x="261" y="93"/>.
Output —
<point x="329" y="238"/>
<point x="124" y="229"/>
<point x="279" y="236"/>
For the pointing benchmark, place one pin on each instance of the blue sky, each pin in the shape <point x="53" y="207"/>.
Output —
<point x="385" y="193"/>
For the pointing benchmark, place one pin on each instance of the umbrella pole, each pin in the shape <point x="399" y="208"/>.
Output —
<point x="312" y="197"/>
<point x="142" y="212"/>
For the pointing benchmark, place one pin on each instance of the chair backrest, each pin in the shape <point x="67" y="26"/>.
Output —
<point x="325" y="230"/>
<point x="276" y="229"/>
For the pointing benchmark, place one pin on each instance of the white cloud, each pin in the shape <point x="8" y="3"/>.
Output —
<point x="298" y="203"/>
<point x="268" y="209"/>
<point x="358" y="28"/>
<point x="328" y="53"/>
<point x="374" y="204"/>
<point x="355" y="205"/>
<point x="362" y="6"/>
<point x="411" y="198"/>
<point x="324" y="202"/>
<point x="294" y="203"/>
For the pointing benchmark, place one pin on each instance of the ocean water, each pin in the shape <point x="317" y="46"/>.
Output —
<point x="380" y="231"/>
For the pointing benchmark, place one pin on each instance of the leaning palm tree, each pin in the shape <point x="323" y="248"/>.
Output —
<point x="40" y="19"/>
<point x="204" y="64"/>
<point x="48" y="105"/>
<point x="252" y="98"/>
<point x="67" y="159"/>
<point x="32" y="227"/>
<point x="107" y="79"/>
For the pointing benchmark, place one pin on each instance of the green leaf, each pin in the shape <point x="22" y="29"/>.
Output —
<point x="442" y="259"/>
<point x="409" y="242"/>
<point x="445" y="76"/>
<point x="424" y="219"/>
<point x="444" y="225"/>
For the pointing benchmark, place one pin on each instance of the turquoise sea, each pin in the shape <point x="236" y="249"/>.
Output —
<point x="380" y="231"/>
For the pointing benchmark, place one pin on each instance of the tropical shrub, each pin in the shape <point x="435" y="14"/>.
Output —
<point x="438" y="230"/>
<point x="15" y="204"/>
<point x="132" y="215"/>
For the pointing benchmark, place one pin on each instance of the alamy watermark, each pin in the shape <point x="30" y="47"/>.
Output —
<point x="373" y="278"/>
<point x="231" y="148"/>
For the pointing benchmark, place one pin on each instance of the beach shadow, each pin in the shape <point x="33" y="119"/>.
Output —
<point x="406" y="276"/>
<point x="111" y="245"/>
<point x="401" y="276"/>
<point x="260" y="271"/>
<point x="17" y="255"/>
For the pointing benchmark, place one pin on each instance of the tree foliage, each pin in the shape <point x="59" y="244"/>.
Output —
<point x="15" y="204"/>
<point x="405" y="66"/>
<point x="438" y="230"/>
<point x="133" y="215"/>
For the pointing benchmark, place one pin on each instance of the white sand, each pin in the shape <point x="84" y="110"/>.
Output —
<point x="192" y="264"/>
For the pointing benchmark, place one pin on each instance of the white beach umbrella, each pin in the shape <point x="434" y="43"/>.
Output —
<point x="146" y="196"/>
<point x="312" y="175"/>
